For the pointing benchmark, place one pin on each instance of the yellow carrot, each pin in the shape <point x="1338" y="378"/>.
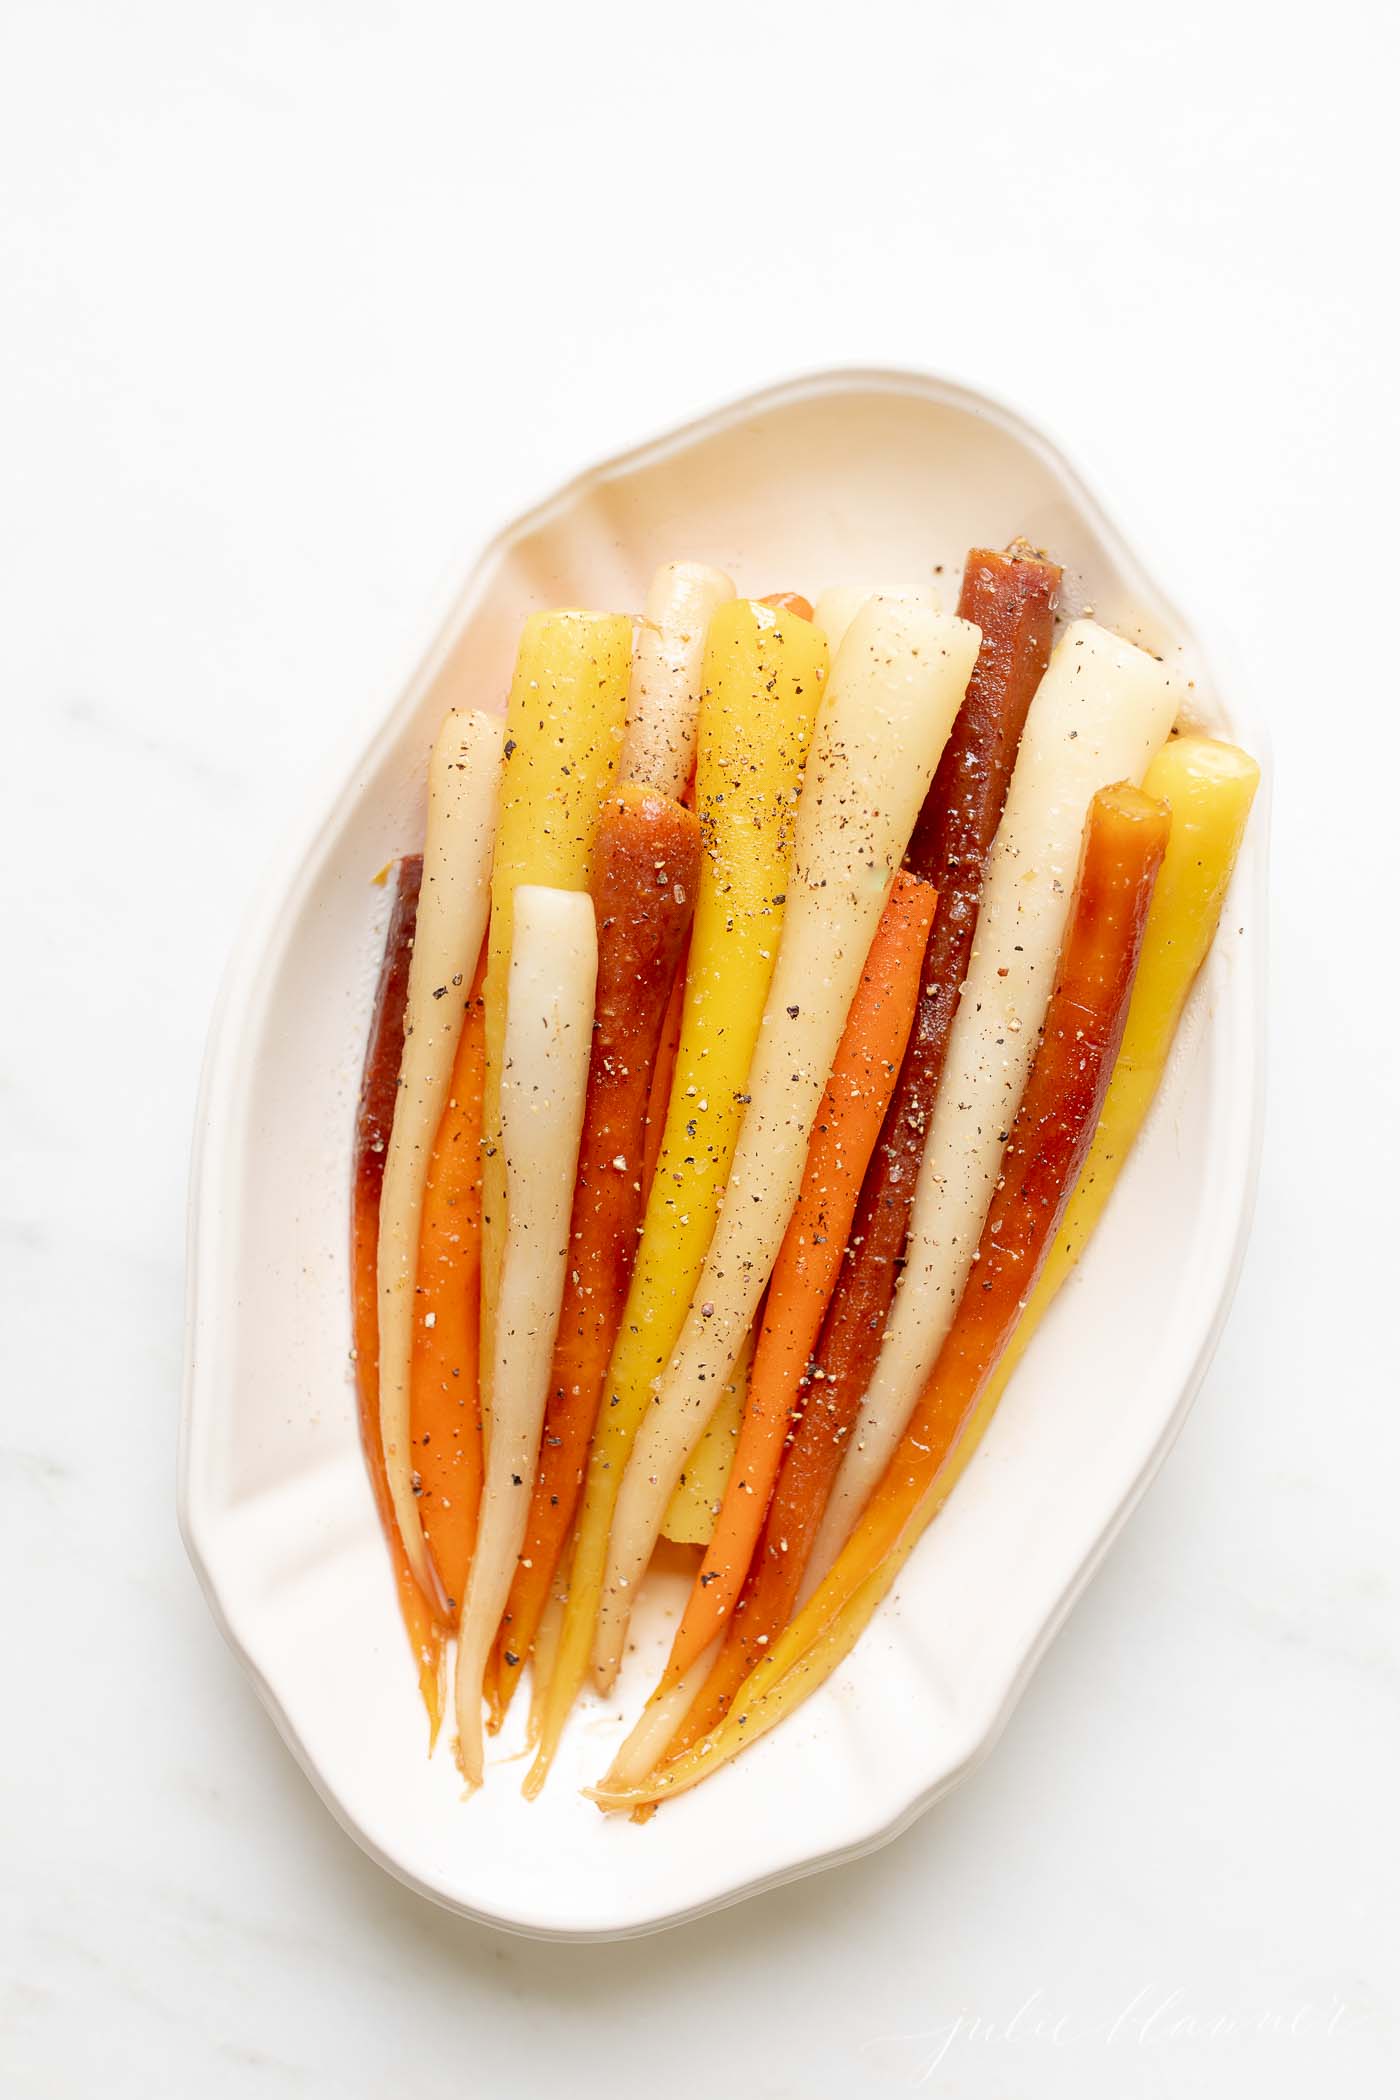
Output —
<point x="763" y="678"/>
<point x="695" y="1501"/>
<point x="563" y="733"/>
<point x="1209" y="788"/>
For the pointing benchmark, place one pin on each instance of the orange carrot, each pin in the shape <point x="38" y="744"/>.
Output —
<point x="848" y="1123"/>
<point x="374" y="1118"/>
<point x="444" y="1380"/>
<point x="789" y="601"/>
<point x="645" y="879"/>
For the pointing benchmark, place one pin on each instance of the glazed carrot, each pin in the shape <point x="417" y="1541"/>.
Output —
<point x="645" y="873"/>
<point x="544" y="1082"/>
<point x="463" y="777"/>
<point x="373" y="1122"/>
<point x="847" y="1125"/>
<point x="663" y="691"/>
<point x="444" y="1414"/>
<point x="663" y="1071"/>
<point x="1012" y="601"/>
<point x="693" y="1507"/>
<point x="838" y="605"/>
<point x="895" y="691"/>
<point x="1125" y="839"/>
<point x="695" y="1503"/>
<point x="564" y="726"/>
<point x="1209" y="788"/>
<point x="764" y="674"/>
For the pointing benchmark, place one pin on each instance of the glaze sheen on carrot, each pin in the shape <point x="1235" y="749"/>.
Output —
<point x="763" y="678"/>
<point x="895" y="691"/>
<point x="1208" y="787"/>
<point x="663" y="691"/>
<point x="544" y="1084"/>
<point x="463" y="777"/>
<point x="373" y="1122"/>
<point x="564" y="727"/>
<point x="444" y="1402"/>
<point x="663" y="1071"/>
<point x="645" y="876"/>
<point x="1013" y="602"/>
<point x="848" y="1123"/>
<point x="1125" y="838"/>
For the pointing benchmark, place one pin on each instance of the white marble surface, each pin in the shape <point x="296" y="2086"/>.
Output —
<point x="300" y="299"/>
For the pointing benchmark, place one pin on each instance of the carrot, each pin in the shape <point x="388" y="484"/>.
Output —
<point x="789" y="601"/>
<point x="444" y="1403"/>
<point x="463" y="778"/>
<point x="645" y="875"/>
<point x="544" y="1082"/>
<point x="663" y="690"/>
<point x="847" y="1125"/>
<point x="1125" y="838"/>
<point x="563" y="737"/>
<point x="373" y="1122"/>
<point x="663" y="1071"/>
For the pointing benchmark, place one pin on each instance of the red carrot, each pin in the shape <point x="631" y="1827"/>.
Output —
<point x="373" y="1122"/>
<point x="662" y="1073"/>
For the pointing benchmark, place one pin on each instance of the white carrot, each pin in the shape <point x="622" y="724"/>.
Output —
<point x="548" y="1030"/>
<point x="895" y="688"/>
<point x="658" y="1723"/>
<point x="837" y="606"/>
<point x="463" y="779"/>
<point x="1102" y="711"/>
<point x="663" y="694"/>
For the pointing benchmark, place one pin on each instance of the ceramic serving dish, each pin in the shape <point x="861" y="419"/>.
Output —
<point x="844" y="476"/>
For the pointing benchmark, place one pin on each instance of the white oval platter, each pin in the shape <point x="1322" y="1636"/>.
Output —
<point x="860" y="476"/>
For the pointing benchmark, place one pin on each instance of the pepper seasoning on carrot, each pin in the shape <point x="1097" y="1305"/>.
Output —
<point x="843" y="1138"/>
<point x="1125" y="840"/>
<point x="645" y="876"/>
<point x="763" y="677"/>
<point x="1012" y="600"/>
<point x="444" y="1408"/>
